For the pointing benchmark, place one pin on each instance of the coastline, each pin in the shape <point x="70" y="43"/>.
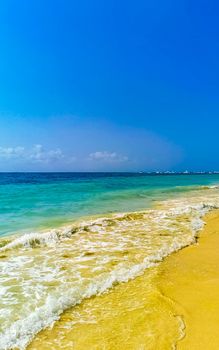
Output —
<point x="172" y="305"/>
<point x="190" y="278"/>
<point x="98" y="283"/>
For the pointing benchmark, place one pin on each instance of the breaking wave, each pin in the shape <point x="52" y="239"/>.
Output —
<point x="43" y="274"/>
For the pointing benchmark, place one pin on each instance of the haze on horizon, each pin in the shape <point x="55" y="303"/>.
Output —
<point x="109" y="86"/>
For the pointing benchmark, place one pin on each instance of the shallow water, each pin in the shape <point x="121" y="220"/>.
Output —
<point x="133" y="315"/>
<point x="45" y="273"/>
<point x="35" y="201"/>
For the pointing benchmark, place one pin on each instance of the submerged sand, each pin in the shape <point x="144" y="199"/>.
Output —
<point x="174" y="305"/>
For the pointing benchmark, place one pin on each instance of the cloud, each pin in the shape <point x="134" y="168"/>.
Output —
<point x="98" y="145"/>
<point x="36" y="154"/>
<point x="106" y="156"/>
<point x="11" y="152"/>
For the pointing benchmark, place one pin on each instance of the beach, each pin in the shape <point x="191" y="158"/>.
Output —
<point x="190" y="278"/>
<point x="174" y="305"/>
<point x="110" y="279"/>
<point x="109" y="175"/>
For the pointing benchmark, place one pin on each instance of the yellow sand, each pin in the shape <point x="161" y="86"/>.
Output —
<point x="191" y="278"/>
<point x="131" y="316"/>
<point x="174" y="305"/>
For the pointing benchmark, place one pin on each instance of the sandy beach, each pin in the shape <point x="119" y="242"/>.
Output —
<point x="145" y="279"/>
<point x="174" y="305"/>
<point x="190" y="278"/>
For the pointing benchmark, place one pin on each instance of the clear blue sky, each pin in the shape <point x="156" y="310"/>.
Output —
<point x="109" y="85"/>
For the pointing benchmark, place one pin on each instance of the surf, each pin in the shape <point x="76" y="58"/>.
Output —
<point x="45" y="273"/>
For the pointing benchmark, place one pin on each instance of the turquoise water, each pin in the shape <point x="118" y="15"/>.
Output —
<point x="42" y="274"/>
<point x="34" y="201"/>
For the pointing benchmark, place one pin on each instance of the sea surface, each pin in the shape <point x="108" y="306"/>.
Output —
<point x="33" y="201"/>
<point x="66" y="237"/>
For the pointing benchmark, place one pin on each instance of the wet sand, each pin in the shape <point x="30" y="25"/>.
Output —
<point x="172" y="306"/>
<point x="133" y="315"/>
<point x="190" y="278"/>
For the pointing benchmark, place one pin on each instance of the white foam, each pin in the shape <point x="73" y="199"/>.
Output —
<point x="19" y="333"/>
<point x="34" y="239"/>
<point x="22" y="331"/>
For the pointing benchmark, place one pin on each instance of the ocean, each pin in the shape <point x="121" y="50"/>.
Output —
<point x="35" y="201"/>
<point x="67" y="237"/>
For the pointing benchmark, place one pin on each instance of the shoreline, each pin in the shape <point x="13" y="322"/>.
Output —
<point x="190" y="278"/>
<point x="97" y="283"/>
<point x="166" y="307"/>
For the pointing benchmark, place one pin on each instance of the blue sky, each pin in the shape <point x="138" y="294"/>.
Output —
<point x="109" y="85"/>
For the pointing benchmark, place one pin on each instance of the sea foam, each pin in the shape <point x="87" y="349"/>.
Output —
<point x="69" y="265"/>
